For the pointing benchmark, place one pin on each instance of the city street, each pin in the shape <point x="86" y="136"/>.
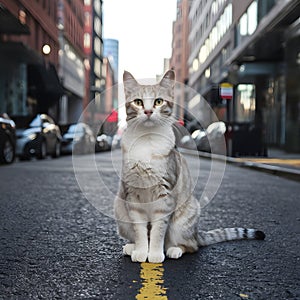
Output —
<point x="54" y="244"/>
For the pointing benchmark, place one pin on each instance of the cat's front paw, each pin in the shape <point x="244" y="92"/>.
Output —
<point x="174" y="252"/>
<point x="156" y="257"/>
<point x="139" y="256"/>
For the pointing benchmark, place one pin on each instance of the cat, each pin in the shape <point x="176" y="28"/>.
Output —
<point x="154" y="208"/>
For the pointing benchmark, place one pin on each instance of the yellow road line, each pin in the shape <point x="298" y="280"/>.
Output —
<point x="152" y="282"/>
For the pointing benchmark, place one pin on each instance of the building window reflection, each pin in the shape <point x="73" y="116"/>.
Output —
<point x="97" y="6"/>
<point x="245" y="104"/>
<point x="97" y="26"/>
<point x="87" y="41"/>
<point x="247" y="23"/>
<point x="221" y="27"/>
<point x="97" y="46"/>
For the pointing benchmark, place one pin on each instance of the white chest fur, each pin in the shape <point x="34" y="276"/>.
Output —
<point x="145" y="155"/>
<point x="145" y="144"/>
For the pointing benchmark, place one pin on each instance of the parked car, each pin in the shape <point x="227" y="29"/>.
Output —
<point x="206" y="140"/>
<point x="39" y="137"/>
<point x="103" y="142"/>
<point x="78" y="138"/>
<point x="7" y="139"/>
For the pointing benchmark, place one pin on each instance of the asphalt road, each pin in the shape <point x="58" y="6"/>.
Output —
<point x="54" y="244"/>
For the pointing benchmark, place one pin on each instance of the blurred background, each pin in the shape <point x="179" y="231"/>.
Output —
<point x="243" y="57"/>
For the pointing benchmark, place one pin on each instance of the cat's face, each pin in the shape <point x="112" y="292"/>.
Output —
<point x="149" y="105"/>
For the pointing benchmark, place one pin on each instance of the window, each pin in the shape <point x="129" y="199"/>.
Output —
<point x="252" y="17"/>
<point x="245" y="104"/>
<point x="243" y="25"/>
<point x="97" y="26"/>
<point x="97" y="46"/>
<point x="97" y="6"/>
<point x="247" y="23"/>
<point x="264" y="6"/>
<point x="217" y="32"/>
<point x="195" y="64"/>
<point x="87" y="19"/>
<point x="97" y="67"/>
<point x="87" y="41"/>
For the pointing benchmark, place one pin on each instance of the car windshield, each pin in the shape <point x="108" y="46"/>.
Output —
<point x="75" y="129"/>
<point x="36" y="122"/>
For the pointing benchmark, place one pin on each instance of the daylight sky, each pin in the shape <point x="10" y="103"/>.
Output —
<point x="144" y="31"/>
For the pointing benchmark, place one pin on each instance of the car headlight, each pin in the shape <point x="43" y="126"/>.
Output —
<point x="32" y="136"/>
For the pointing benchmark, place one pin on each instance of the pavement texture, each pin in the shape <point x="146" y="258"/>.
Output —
<point x="54" y="244"/>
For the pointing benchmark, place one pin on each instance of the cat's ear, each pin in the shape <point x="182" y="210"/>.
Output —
<point x="130" y="84"/>
<point x="128" y="77"/>
<point x="168" y="80"/>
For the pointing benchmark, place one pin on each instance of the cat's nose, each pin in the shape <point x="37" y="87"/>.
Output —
<point x="148" y="113"/>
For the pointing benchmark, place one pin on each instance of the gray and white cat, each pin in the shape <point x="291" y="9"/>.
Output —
<point x="155" y="209"/>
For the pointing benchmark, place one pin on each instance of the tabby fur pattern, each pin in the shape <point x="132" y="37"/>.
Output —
<point x="155" y="208"/>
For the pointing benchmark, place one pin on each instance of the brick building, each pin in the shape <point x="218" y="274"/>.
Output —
<point x="180" y="52"/>
<point x="42" y="58"/>
<point x="100" y="72"/>
<point x="70" y="24"/>
<point x="29" y="57"/>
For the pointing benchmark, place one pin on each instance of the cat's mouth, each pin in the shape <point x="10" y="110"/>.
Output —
<point x="149" y="122"/>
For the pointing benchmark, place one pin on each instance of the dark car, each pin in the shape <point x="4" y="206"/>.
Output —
<point x="39" y="137"/>
<point x="78" y="138"/>
<point x="103" y="142"/>
<point x="7" y="139"/>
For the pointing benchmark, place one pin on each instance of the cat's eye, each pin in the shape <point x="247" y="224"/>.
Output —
<point x="158" y="102"/>
<point x="138" y="102"/>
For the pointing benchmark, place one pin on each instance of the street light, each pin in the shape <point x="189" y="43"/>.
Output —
<point x="46" y="49"/>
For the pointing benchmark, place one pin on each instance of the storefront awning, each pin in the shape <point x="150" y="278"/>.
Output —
<point x="43" y="81"/>
<point x="9" y="24"/>
<point x="19" y="52"/>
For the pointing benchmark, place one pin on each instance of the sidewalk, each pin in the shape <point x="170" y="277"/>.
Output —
<point x="278" y="162"/>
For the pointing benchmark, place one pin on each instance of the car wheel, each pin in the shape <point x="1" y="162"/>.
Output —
<point x="42" y="151"/>
<point x="7" y="154"/>
<point x="57" y="150"/>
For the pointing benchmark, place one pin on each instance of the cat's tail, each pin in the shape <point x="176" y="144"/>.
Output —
<point x="206" y="238"/>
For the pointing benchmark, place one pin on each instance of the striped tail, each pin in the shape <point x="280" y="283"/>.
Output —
<point x="206" y="238"/>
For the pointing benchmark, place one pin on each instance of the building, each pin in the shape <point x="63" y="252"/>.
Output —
<point x="98" y="68"/>
<point x="29" y="47"/>
<point x="180" y="53"/>
<point x="253" y="46"/>
<point x="70" y="24"/>
<point x="111" y="62"/>
<point x="111" y="51"/>
<point x="110" y="95"/>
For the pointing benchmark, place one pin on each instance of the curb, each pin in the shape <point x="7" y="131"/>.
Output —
<point x="274" y="170"/>
<point x="285" y="172"/>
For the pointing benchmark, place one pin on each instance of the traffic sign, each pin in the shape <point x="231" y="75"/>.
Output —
<point x="226" y="90"/>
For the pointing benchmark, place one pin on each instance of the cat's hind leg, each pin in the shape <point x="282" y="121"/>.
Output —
<point x="179" y="240"/>
<point x="175" y="252"/>
<point x="126" y="231"/>
<point x="128" y="249"/>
